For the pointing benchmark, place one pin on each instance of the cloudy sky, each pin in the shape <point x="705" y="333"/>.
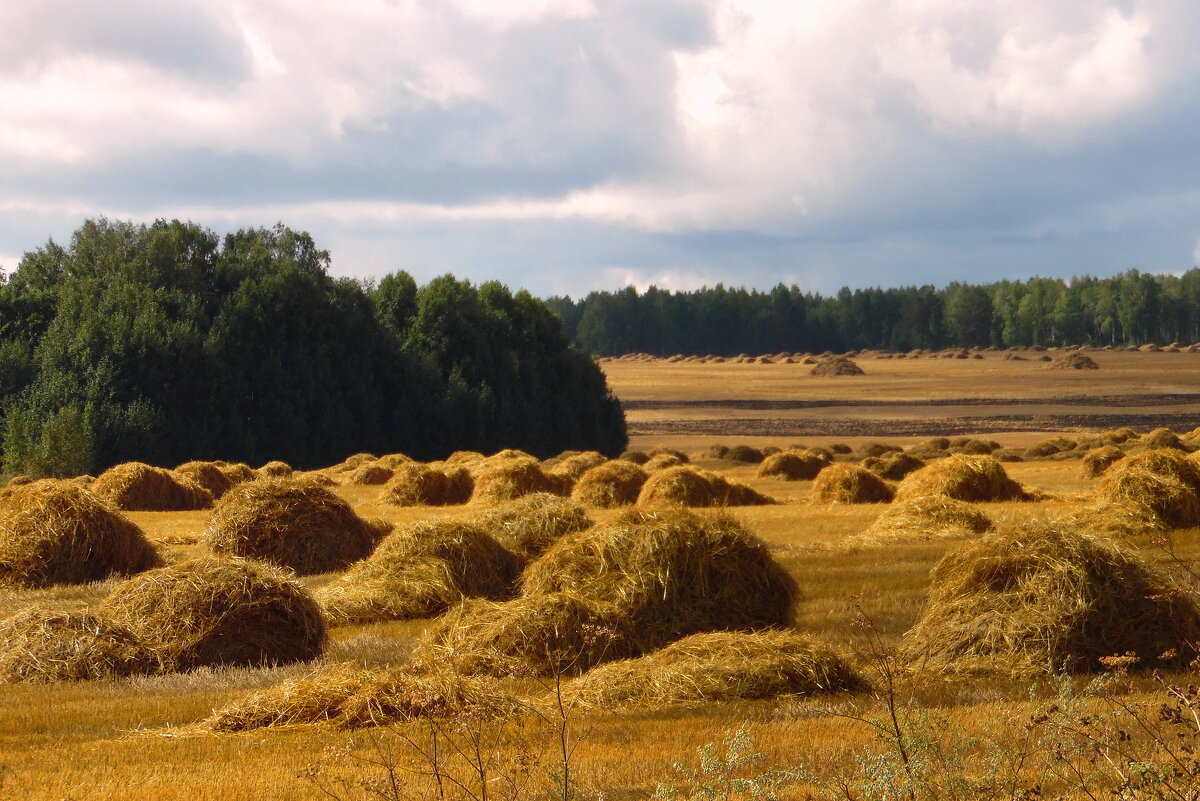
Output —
<point x="567" y="145"/>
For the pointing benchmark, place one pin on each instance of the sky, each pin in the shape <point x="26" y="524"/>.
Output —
<point x="571" y="145"/>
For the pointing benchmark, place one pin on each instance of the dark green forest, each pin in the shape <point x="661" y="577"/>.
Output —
<point x="166" y="343"/>
<point x="1128" y="309"/>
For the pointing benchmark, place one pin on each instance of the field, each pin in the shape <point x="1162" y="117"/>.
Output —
<point x="136" y="738"/>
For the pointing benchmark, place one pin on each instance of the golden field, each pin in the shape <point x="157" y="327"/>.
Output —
<point x="132" y="739"/>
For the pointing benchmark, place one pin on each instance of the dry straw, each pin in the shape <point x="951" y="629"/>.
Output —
<point x="718" y="666"/>
<point x="1046" y="597"/>
<point x="964" y="478"/>
<point x="72" y="646"/>
<point x="612" y="484"/>
<point x="687" y="487"/>
<point x="837" y="366"/>
<point x="637" y="457"/>
<point x="370" y="475"/>
<point x="1073" y="361"/>
<point x="276" y="469"/>
<point x="1163" y="438"/>
<point x="573" y="464"/>
<point x="421" y="570"/>
<point x="296" y="524"/>
<point x="848" y="483"/>
<point x="219" y="611"/>
<point x="792" y="465"/>
<point x="347" y="696"/>
<point x="134" y="486"/>
<point x="237" y="472"/>
<point x="418" y="484"/>
<point x="893" y="466"/>
<point x="1160" y="486"/>
<point x="1098" y="460"/>
<point x="204" y="474"/>
<point x="530" y="525"/>
<point x="928" y="517"/>
<point x="506" y="478"/>
<point x="58" y="532"/>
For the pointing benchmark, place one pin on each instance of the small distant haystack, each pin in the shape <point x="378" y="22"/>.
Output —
<point x="637" y="457"/>
<point x="930" y="517"/>
<point x="418" y="484"/>
<point x="349" y="697"/>
<point x="1163" y="438"/>
<point x="218" y="611"/>
<point x="892" y="466"/>
<point x="837" y="366"/>
<point x="744" y="453"/>
<point x="1097" y="460"/>
<point x="77" y="646"/>
<point x="276" y="469"/>
<point x="352" y="463"/>
<point x="135" y="486"/>
<point x="371" y="474"/>
<point x="296" y="524"/>
<point x="1119" y="436"/>
<point x="792" y="465"/>
<point x="1050" y="447"/>
<point x="393" y="460"/>
<point x="421" y="570"/>
<point x="878" y="449"/>
<point x="612" y="484"/>
<point x="237" y="472"/>
<point x="662" y="461"/>
<point x="1042" y="597"/>
<point x="1073" y="361"/>
<point x="964" y="478"/>
<point x="465" y="458"/>
<point x="204" y="474"/>
<point x="510" y="478"/>
<point x="718" y="666"/>
<point x="848" y="483"/>
<point x="686" y="487"/>
<point x="1163" y="486"/>
<point x="575" y="465"/>
<point x="58" y="532"/>
<point x="531" y="524"/>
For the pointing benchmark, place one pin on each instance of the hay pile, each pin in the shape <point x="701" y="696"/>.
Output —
<point x="530" y="525"/>
<point x="744" y="453"/>
<point x="71" y="646"/>
<point x="347" y="696"/>
<point x="371" y="474"/>
<point x="620" y="589"/>
<point x="837" y="366"/>
<point x="1163" y="438"/>
<point x="506" y="479"/>
<point x="276" y="469"/>
<point x="718" y="666"/>
<point x="58" y="532"/>
<point x="1073" y="361"/>
<point x="421" y="570"/>
<point x="662" y="461"/>
<point x="1161" y="487"/>
<point x="1097" y="460"/>
<point x="848" y="483"/>
<point x="418" y="484"/>
<point x="612" y="484"/>
<point x="637" y="457"/>
<point x="296" y="524"/>
<point x="572" y="465"/>
<point x="687" y="487"/>
<point x="926" y="518"/>
<point x="134" y="486"/>
<point x="793" y="465"/>
<point x="893" y="466"/>
<point x="218" y="611"/>
<point x="237" y="472"/>
<point x="1044" y="597"/>
<point x="204" y="474"/>
<point x="964" y="478"/>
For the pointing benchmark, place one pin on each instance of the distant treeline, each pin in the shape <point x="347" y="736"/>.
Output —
<point x="164" y="343"/>
<point x="1131" y="308"/>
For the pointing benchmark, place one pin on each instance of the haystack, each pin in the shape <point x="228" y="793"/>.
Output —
<point x="929" y="517"/>
<point x="276" y="469"/>
<point x="792" y="465"/>
<point x="837" y="366"/>
<point x="371" y="474"/>
<point x="135" y="486"/>
<point x="718" y="666"/>
<point x="848" y="483"/>
<point x="1118" y="436"/>
<point x="530" y="525"/>
<point x="19" y="481"/>
<point x="421" y="570"/>
<point x="393" y="460"/>
<point x="964" y="478"/>
<point x="687" y="487"/>
<point x="744" y="453"/>
<point x="507" y="479"/>
<point x="662" y="462"/>
<point x="637" y="457"/>
<point x="204" y="474"/>
<point x="237" y="472"/>
<point x="878" y="449"/>
<point x="1163" y="438"/>
<point x="1046" y="597"/>
<point x="75" y="646"/>
<point x="1163" y="486"/>
<point x="465" y="458"/>
<point x="892" y="466"/>
<point x="574" y="465"/>
<point x="295" y="524"/>
<point x="352" y="463"/>
<point x="1049" y="447"/>
<point x="1097" y="460"/>
<point x="348" y="697"/>
<point x="680" y="455"/>
<point x="418" y="484"/>
<point x="612" y="484"/>
<point x="58" y="532"/>
<point x="219" y="611"/>
<point x="1073" y="361"/>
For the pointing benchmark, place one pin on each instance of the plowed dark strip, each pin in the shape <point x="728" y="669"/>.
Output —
<point x="1115" y="401"/>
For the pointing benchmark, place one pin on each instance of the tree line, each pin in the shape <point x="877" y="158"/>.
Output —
<point x="165" y="343"/>
<point x="1127" y="309"/>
